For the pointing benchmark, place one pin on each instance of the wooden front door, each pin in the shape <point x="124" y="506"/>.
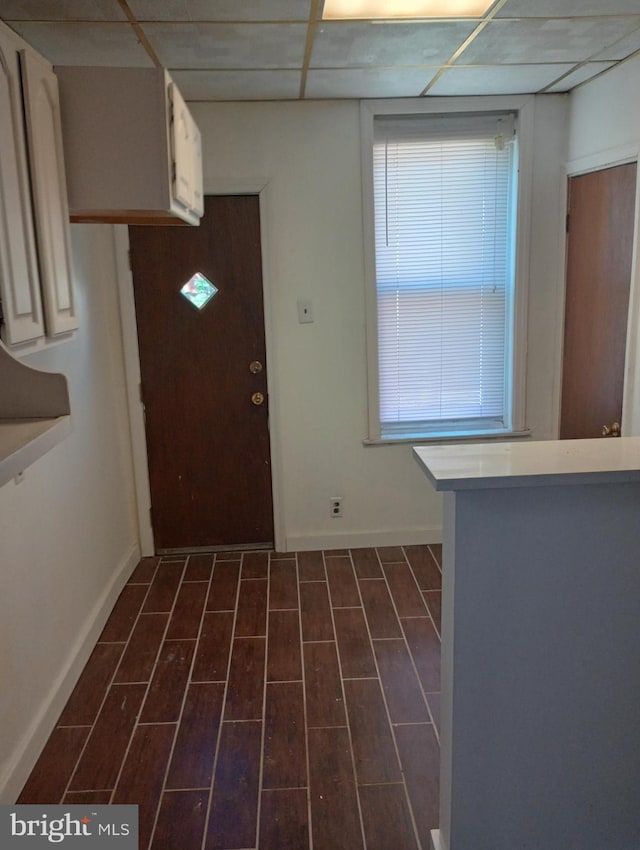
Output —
<point x="599" y="253"/>
<point x="204" y="381"/>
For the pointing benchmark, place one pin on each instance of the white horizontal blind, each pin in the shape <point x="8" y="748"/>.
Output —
<point x="444" y="192"/>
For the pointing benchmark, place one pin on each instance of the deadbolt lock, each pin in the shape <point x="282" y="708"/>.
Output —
<point x="255" y="366"/>
<point x="257" y="399"/>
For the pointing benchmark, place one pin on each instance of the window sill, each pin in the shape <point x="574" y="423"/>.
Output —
<point x="489" y="436"/>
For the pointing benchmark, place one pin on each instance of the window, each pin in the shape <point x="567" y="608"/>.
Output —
<point x="199" y="290"/>
<point x="445" y="202"/>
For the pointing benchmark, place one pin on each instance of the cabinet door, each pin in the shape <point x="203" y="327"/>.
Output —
<point x="182" y="148"/>
<point x="196" y="176"/>
<point x="19" y="279"/>
<point x="44" y="137"/>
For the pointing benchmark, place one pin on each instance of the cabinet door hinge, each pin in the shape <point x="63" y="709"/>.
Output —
<point x="566" y="225"/>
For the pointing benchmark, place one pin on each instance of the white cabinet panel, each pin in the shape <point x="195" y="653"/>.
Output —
<point x="133" y="148"/>
<point x="19" y="279"/>
<point x="181" y="138"/>
<point x="34" y="405"/>
<point x="196" y="173"/>
<point x="44" y="137"/>
<point x="186" y="144"/>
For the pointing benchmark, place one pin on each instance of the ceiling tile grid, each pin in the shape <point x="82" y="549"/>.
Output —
<point x="554" y="40"/>
<point x="368" y="82"/>
<point x="580" y="75"/>
<point x="66" y="10"/>
<point x="623" y="48"/>
<point x="73" y="43"/>
<point x="238" y="85"/>
<point x="221" y="10"/>
<point x="239" y="46"/>
<point x="282" y="49"/>
<point x="567" y="8"/>
<point x="355" y="44"/>
<point x="518" y="79"/>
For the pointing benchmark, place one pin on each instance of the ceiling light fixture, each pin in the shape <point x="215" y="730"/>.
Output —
<point x="389" y="9"/>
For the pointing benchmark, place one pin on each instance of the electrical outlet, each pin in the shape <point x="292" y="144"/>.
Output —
<point x="336" y="506"/>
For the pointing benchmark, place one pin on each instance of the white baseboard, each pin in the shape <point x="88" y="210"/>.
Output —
<point x="436" y="840"/>
<point x="362" y="539"/>
<point x="21" y="762"/>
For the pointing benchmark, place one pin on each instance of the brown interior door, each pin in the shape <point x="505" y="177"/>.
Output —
<point x="204" y="380"/>
<point x="599" y="253"/>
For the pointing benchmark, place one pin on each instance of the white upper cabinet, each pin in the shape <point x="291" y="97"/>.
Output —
<point x="182" y="148"/>
<point x="197" y="176"/>
<point x="133" y="149"/>
<point x="19" y="279"/>
<point x="35" y="258"/>
<point x="187" y="154"/>
<point x="44" y="137"/>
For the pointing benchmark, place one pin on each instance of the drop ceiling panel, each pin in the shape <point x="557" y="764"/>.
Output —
<point x="255" y="49"/>
<point x="224" y="46"/>
<point x="580" y="75"/>
<point x="567" y="8"/>
<point x="515" y="79"/>
<point x="238" y="85"/>
<point x="367" y="82"/>
<point x="531" y="41"/>
<point x="221" y="10"/>
<point x="69" y="10"/>
<point x="348" y="45"/>
<point x="85" y="44"/>
<point x="623" y="48"/>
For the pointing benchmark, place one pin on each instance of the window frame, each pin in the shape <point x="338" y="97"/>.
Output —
<point x="523" y="107"/>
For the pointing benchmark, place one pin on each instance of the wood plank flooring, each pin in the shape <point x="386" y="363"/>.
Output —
<point x="262" y="701"/>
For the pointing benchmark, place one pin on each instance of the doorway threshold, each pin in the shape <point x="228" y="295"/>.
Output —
<point x="229" y="547"/>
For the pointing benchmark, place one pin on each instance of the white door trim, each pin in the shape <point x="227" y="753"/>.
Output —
<point x="132" y="378"/>
<point x="257" y="186"/>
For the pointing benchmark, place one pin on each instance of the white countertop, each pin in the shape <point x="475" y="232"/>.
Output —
<point x="531" y="464"/>
<point x="23" y="441"/>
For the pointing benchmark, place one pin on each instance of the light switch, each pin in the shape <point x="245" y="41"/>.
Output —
<point x="305" y="311"/>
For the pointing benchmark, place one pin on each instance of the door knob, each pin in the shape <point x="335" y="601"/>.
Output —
<point x="255" y="366"/>
<point x="611" y="431"/>
<point x="257" y="399"/>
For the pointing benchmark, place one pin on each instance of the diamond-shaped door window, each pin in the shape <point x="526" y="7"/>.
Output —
<point x="199" y="291"/>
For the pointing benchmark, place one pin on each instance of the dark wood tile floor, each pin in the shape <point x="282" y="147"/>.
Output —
<point x="262" y="700"/>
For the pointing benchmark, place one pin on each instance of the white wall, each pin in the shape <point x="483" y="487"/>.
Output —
<point x="308" y="155"/>
<point x="68" y="537"/>
<point x="604" y="116"/>
<point x="604" y="130"/>
<point x="546" y="267"/>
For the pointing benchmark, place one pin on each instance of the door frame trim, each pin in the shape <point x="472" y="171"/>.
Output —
<point x="631" y="384"/>
<point x="251" y="186"/>
<point x="131" y="354"/>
